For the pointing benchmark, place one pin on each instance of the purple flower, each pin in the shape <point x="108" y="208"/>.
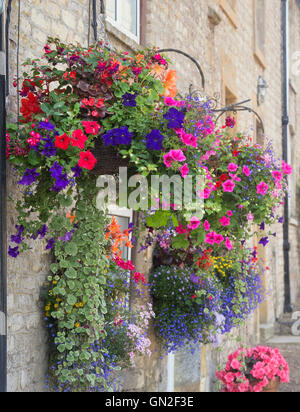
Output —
<point x="175" y="118"/>
<point x="46" y="126"/>
<point x="67" y="237"/>
<point x="154" y="140"/>
<point x="29" y="177"/>
<point x="41" y="232"/>
<point x="129" y="99"/>
<point x="61" y="183"/>
<point x="18" y="237"/>
<point x="50" y="244"/>
<point x="264" y="241"/>
<point x="13" y="252"/>
<point x="262" y="226"/>
<point x="56" y="170"/>
<point x="49" y="149"/>
<point x="77" y="171"/>
<point x="280" y="220"/>
<point x="116" y="137"/>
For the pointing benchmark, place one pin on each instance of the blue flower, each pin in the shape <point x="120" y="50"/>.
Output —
<point x="129" y="99"/>
<point x="46" y="126"/>
<point x="175" y="118"/>
<point x="154" y="140"/>
<point x="29" y="177"/>
<point x="118" y="136"/>
<point x="49" y="149"/>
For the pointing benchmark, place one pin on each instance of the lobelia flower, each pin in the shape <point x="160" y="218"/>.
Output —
<point x="87" y="160"/>
<point x="154" y="140"/>
<point x="262" y="188"/>
<point x="175" y="118"/>
<point x="78" y="139"/>
<point x="228" y="186"/>
<point x="29" y="177"/>
<point x="62" y="142"/>
<point x="129" y="99"/>
<point x="118" y="136"/>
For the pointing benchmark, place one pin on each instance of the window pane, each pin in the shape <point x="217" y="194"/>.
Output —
<point x="111" y="9"/>
<point x="127" y="15"/>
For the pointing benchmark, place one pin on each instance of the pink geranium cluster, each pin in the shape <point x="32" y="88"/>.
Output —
<point x="252" y="370"/>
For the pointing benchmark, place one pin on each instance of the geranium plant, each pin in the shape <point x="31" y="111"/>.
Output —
<point x="253" y="370"/>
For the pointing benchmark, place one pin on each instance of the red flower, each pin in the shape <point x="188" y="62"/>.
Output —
<point x="30" y="106"/>
<point x="78" y="139"/>
<point x="138" y="276"/>
<point x="91" y="127"/>
<point x="87" y="160"/>
<point x="193" y="296"/>
<point x="62" y="142"/>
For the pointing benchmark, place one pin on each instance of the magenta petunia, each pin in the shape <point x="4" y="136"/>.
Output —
<point x="228" y="186"/>
<point x="262" y="188"/>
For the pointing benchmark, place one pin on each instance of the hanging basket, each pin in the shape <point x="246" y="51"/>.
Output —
<point x="108" y="159"/>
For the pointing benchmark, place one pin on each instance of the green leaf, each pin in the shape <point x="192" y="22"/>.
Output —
<point x="180" y="242"/>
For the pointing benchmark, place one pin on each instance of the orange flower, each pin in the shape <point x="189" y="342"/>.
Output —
<point x="117" y="237"/>
<point x="139" y="57"/>
<point x="170" y="84"/>
<point x="71" y="218"/>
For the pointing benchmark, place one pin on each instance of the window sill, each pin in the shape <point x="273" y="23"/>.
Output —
<point x="260" y="57"/>
<point x="129" y="41"/>
<point x="230" y="12"/>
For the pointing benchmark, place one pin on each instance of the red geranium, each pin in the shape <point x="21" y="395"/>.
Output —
<point x="87" y="160"/>
<point x="78" y="139"/>
<point x="62" y="142"/>
<point x="91" y="127"/>
<point x="30" y="106"/>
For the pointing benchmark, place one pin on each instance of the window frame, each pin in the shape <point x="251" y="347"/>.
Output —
<point x="230" y="12"/>
<point x="118" y="25"/>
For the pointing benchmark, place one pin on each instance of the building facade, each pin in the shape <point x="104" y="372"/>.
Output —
<point x="238" y="45"/>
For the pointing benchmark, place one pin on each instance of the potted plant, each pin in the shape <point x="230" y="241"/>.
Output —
<point x="261" y="369"/>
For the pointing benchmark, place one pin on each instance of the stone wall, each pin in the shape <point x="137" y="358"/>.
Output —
<point x="223" y="41"/>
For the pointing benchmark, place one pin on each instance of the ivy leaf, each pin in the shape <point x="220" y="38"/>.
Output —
<point x="71" y="249"/>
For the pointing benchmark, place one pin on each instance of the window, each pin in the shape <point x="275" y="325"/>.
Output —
<point x="124" y="218"/>
<point x="260" y="31"/>
<point x="125" y="14"/>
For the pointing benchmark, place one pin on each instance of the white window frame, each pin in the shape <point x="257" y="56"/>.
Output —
<point x="116" y="211"/>
<point x="118" y="23"/>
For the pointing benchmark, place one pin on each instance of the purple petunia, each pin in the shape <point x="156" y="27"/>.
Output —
<point x="18" y="239"/>
<point x="77" y="171"/>
<point x="61" y="183"/>
<point x="116" y="137"/>
<point x="264" y="241"/>
<point x="67" y="237"/>
<point x="154" y="140"/>
<point x="29" y="177"/>
<point x="129" y="99"/>
<point x="56" y="170"/>
<point x="46" y="126"/>
<point x="13" y="252"/>
<point x="49" y="149"/>
<point x="175" y="118"/>
<point x="41" y="232"/>
<point x="50" y="244"/>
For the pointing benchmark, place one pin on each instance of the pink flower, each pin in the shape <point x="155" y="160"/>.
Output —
<point x="225" y="221"/>
<point x="219" y="239"/>
<point x="277" y="175"/>
<point x="228" y="244"/>
<point x="232" y="167"/>
<point x="235" y="364"/>
<point x="169" y="101"/>
<point x="286" y="168"/>
<point x="229" y="213"/>
<point x="206" y="226"/>
<point x="235" y="178"/>
<point x="246" y="171"/>
<point x="184" y="170"/>
<point x="262" y="188"/>
<point x="250" y="217"/>
<point x="204" y="194"/>
<point x="188" y="139"/>
<point x="228" y="186"/>
<point x="195" y="223"/>
<point x="174" y="156"/>
<point x="210" y="238"/>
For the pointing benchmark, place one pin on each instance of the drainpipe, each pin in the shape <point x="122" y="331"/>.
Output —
<point x="3" y="290"/>
<point x="285" y="142"/>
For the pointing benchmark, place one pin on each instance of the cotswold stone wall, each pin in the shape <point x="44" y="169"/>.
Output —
<point x="223" y="41"/>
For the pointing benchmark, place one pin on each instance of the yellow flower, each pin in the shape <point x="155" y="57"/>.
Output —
<point x="77" y="325"/>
